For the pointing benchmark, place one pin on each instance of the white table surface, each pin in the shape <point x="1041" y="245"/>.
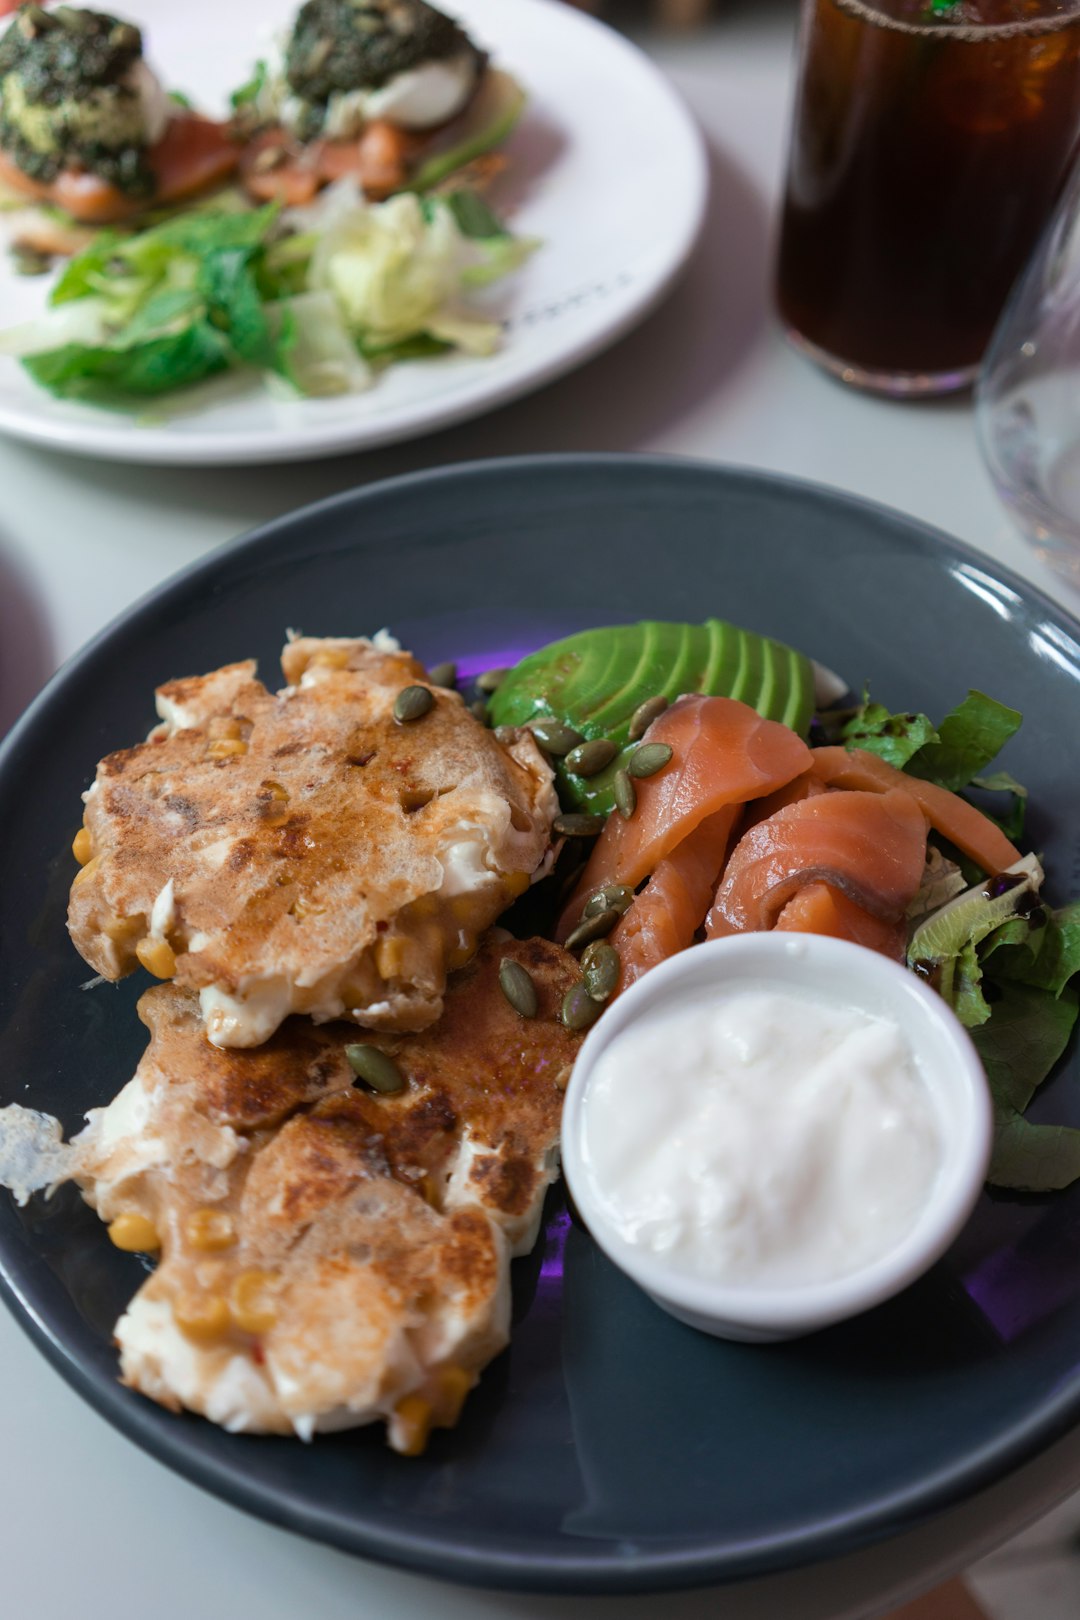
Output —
<point x="90" y="1525"/>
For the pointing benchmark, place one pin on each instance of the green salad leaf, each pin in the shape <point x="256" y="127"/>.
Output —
<point x="1019" y="1047"/>
<point x="968" y="739"/>
<point x="896" y="738"/>
<point x="1045" y="953"/>
<point x="473" y="215"/>
<point x="1011" y="819"/>
<point x="945" y="947"/>
<point x="144" y="368"/>
<point x="953" y="753"/>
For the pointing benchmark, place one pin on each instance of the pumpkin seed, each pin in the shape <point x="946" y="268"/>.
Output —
<point x="588" y="758"/>
<point x="491" y="679"/>
<point x="648" y="759"/>
<point x="478" y="710"/>
<point x="517" y="986"/>
<point x="412" y="703"/>
<point x="625" y="794"/>
<point x="614" y="896"/>
<point x="443" y="674"/>
<point x="554" y="737"/>
<point x="591" y="928"/>
<point x="579" y="1010"/>
<point x="575" y="824"/>
<point x="644" y="715"/>
<point x="601" y="977"/>
<point x="375" y="1068"/>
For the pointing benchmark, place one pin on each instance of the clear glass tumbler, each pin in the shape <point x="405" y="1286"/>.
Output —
<point x="1027" y="401"/>
<point x="929" y="142"/>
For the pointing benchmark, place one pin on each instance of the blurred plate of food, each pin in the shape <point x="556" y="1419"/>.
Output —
<point x="269" y="233"/>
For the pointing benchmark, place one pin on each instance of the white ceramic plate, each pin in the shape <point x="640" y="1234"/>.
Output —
<point x="608" y="169"/>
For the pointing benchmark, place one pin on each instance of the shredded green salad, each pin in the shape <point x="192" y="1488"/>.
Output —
<point x="1001" y="957"/>
<point x="318" y="300"/>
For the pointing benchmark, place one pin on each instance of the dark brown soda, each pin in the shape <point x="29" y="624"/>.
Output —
<point x="928" y="146"/>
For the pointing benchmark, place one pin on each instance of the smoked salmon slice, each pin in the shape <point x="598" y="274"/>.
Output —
<point x="806" y="786"/>
<point x="668" y="912"/>
<point x="961" y="823"/>
<point x="379" y="160"/>
<point x="723" y="753"/>
<point x="869" y="846"/>
<point x="821" y="909"/>
<point x="193" y="154"/>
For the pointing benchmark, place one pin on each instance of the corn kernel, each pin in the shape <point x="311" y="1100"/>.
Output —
<point x="411" y="1425"/>
<point x="83" y="846"/>
<point x="86" y="871"/>
<point x="517" y="882"/>
<point x="331" y="658"/>
<point x="452" y="1384"/>
<point x="251" y="1301"/>
<point x="202" y="1317"/>
<point x="210" y="1229"/>
<point x="463" y="908"/>
<point x="157" y="957"/>
<point x="457" y="955"/>
<point x="125" y="932"/>
<point x="390" y="956"/>
<point x="225" y="747"/>
<point x="135" y="1234"/>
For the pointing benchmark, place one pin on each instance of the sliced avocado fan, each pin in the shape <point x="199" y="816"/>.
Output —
<point x="594" y="681"/>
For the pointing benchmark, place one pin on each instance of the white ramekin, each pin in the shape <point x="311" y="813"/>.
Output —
<point x="849" y="975"/>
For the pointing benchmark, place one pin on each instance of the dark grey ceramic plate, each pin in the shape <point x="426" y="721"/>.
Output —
<point x="610" y="1449"/>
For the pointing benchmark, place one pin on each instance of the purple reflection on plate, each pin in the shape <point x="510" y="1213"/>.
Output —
<point x="556" y="1234"/>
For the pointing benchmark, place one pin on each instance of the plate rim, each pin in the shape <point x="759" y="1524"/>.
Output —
<point x="594" y="1572"/>
<point x="153" y="446"/>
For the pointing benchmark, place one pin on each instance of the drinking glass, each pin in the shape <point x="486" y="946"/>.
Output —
<point x="929" y="143"/>
<point x="1027" y="402"/>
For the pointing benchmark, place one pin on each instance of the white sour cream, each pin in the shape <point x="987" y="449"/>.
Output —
<point x="761" y="1138"/>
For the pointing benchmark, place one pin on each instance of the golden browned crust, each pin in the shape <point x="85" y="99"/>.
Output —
<point x="303" y="851"/>
<point x="377" y="1227"/>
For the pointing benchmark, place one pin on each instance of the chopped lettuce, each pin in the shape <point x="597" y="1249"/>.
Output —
<point x="311" y="299"/>
<point x="320" y="358"/>
<point x="397" y="270"/>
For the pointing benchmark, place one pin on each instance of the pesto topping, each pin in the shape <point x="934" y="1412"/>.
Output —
<point x="68" y="97"/>
<point x="65" y="55"/>
<point x="343" y="45"/>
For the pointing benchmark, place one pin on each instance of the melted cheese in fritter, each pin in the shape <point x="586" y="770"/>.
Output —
<point x="329" y="1257"/>
<point x="306" y="852"/>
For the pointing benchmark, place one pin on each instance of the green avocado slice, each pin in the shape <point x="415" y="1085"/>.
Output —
<point x="495" y="109"/>
<point x="594" y="681"/>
